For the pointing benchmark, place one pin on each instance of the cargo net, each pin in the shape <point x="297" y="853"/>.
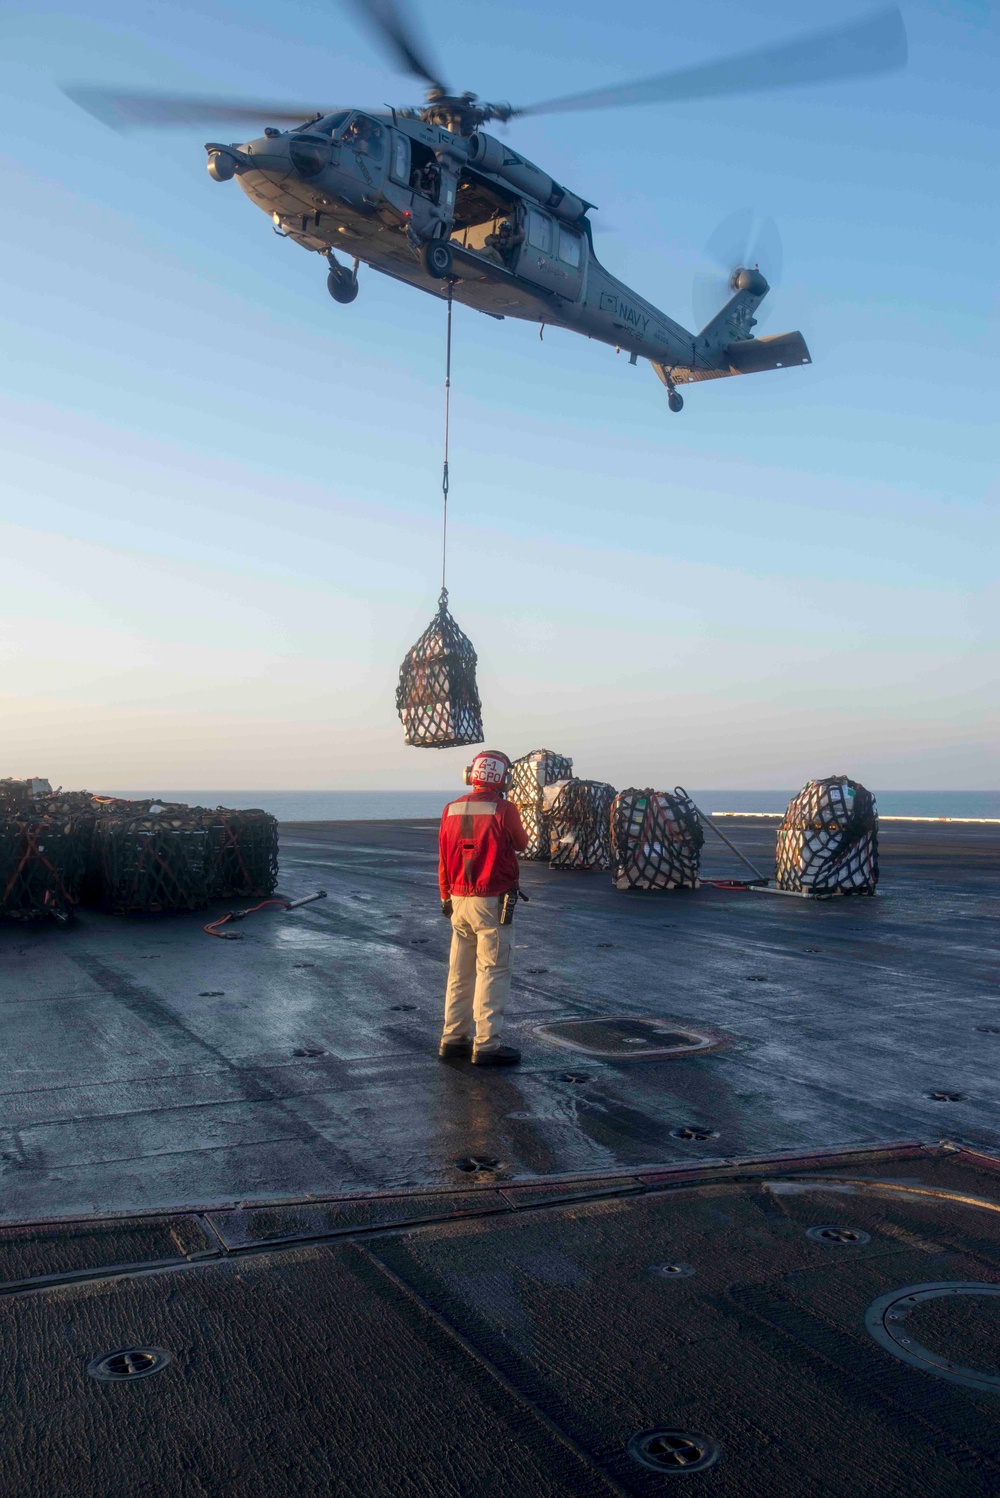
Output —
<point x="578" y="814"/>
<point x="43" y="860"/>
<point x="828" y="840"/>
<point x="437" y="698"/>
<point x="529" y="776"/>
<point x="154" y="860"/>
<point x="242" y="852"/>
<point x="81" y="810"/>
<point x="656" y="840"/>
<point x="154" y="856"/>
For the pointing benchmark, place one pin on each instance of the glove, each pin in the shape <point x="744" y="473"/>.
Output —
<point x="446" y="909"/>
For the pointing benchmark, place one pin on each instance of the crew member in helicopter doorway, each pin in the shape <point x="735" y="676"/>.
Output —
<point x="480" y="838"/>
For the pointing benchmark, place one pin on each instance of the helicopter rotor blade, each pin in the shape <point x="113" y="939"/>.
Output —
<point x="726" y="246"/>
<point x="742" y="240"/>
<point x="396" y="31"/>
<point x="875" y="45"/>
<point x="129" y="111"/>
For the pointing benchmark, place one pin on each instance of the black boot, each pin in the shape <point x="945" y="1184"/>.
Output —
<point x="451" y="1048"/>
<point x="500" y="1055"/>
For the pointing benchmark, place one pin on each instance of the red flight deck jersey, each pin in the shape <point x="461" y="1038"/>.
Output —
<point x="480" y="836"/>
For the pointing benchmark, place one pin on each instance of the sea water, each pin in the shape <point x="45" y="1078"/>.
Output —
<point x="349" y="806"/>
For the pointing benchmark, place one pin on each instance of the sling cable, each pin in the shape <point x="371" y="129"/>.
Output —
<point x="437" y="698"/>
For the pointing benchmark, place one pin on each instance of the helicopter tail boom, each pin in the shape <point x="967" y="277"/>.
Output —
<point x="744" y="356"/>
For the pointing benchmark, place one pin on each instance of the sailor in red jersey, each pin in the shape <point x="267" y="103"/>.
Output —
<point x="480" y="838"/>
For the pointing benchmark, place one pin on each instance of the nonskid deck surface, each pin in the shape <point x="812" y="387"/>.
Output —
<point x="148" y="1066"/>
<point x="783" y="1317"/>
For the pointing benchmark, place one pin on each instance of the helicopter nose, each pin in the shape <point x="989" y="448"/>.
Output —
<point x="268" y="156"/>
<point x="225" y="161"/>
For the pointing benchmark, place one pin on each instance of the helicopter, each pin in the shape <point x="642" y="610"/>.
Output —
<point x="429" y="197"/>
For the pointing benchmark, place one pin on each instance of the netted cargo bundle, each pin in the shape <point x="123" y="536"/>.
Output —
<point x="578" y="814"/>
<point x="153" y="860"/>
<point x="42" y="865"/>
<point x="79" y="810"/>
<point x="828" y="840"/>
<point x="437" y="698"/>
<point x="529" y="776"/>
<point x="656" y="840"/>
<point x="16" y="795"/>
<point x="242" y="852"/>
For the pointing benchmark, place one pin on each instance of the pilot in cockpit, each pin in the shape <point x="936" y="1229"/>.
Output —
<point x="361" y="136"/>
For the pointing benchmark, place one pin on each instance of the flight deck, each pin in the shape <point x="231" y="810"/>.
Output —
<point x="735" y="1216"/>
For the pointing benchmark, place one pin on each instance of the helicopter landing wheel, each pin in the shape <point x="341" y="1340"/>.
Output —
<point x="438" y="259"/>
<point x="675" y="401"/>
<point x="342" y="285"/>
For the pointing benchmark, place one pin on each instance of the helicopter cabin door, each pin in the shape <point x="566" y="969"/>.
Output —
<point x="552" y="254"/>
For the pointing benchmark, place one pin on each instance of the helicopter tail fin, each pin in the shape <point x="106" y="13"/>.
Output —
<point x="726" y="345"/>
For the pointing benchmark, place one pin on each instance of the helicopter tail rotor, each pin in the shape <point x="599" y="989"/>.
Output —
<point x="743" y="246"/>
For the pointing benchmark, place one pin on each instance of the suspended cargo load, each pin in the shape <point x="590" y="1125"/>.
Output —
<point x="43" y="860"/>
<point x="437" y="698"/>
<point x="828" y="840"/>
<point x="578" y="814"/>
<point x="242" y="852"/>
<point x="154" y="860"/>
<point x="529" y="776"/>
<point x="656" y="840"/>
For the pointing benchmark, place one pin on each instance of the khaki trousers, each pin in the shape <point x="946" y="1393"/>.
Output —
<point x="479" y="975"/>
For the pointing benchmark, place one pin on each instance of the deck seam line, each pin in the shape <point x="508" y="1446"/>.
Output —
<point x="494" y="1372"/>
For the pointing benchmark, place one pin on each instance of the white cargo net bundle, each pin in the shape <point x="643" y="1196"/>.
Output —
<point x="529" y="776"/>
<point x="828" y="840"/>
<point x="656" y="840"/>
<point x="578" y="813"/>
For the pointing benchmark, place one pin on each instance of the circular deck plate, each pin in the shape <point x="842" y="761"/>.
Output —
<point x="888" y="1318"/>
<point x="673" y="1452"/>
<point x="636" y="1038"/>
<point x="838" y="1234"/>
<point x="129" y="1363"/>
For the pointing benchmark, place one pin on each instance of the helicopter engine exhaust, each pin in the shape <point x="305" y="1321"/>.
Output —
<point x="491" y="155"/>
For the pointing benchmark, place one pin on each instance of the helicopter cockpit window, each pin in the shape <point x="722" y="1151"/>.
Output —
<point x="331" y="123"/>
<point x="400" y="159"/>
<point x="309" y="153"/>
<point x="569" y="247"/>
<point x="539" y="232"/>
<point x="365" y="137"/>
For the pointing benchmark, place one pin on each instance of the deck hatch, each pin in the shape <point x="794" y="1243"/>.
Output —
<point x="622" y="1036"/>
<point x="940" y="1311"/>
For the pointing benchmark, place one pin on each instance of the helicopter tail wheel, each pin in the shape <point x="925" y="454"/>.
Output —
<point x="341" y="285"/>
<point x="675" y="401"/>
<point x="438" y="259"/>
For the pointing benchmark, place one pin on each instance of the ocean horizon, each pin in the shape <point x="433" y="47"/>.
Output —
<point x="350" y="806"/>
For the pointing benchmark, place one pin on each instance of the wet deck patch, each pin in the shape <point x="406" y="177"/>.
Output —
<point x="621" y="1037"/>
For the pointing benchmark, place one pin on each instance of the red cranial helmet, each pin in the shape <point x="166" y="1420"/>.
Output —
<point x="488" y="770"/>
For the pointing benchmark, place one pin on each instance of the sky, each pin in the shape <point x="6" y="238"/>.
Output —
<point x="220" y="491"/>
